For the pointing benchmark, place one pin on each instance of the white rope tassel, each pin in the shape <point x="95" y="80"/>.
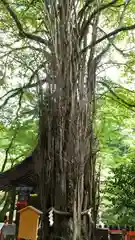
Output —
<point x="51" y="222"/>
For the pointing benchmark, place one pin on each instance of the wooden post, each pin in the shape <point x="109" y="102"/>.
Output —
<point x="12" y="205"/>
<point x="17" y="222"/>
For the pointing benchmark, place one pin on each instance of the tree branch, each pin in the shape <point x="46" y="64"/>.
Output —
<point x="100" y="55"/>
<point x="19" y="49"/>
<point x="17" y="91"/>
<point x="84" y="8"/>
<point x="22" y="33"/>
<point x="106" y="36"/>
<point x="97" y="10"/>
<point x="14" y="136"/>
<point x="115" y="95"/>
<point x="111" y="41"/>
<point x="120" y="102"/>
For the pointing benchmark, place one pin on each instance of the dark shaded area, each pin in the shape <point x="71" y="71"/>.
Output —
<point x="105" y="234"/>
<point x="101" y="234"/>
<point x="116" y="236"/>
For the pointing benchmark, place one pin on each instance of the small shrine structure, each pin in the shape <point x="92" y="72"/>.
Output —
<point x="23" y="179"/>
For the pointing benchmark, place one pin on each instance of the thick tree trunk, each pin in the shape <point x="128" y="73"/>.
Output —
<point x="65" y="150"/>
<point x="67" y="188"/>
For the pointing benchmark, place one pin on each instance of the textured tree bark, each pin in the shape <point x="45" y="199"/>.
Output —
<point x="62" y="187"/>
<point x="66" y="137"/>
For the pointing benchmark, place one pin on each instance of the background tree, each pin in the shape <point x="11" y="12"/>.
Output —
<point x="119" y="193"/>
<point x="115" y="129"/>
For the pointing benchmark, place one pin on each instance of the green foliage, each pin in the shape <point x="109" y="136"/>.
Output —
<point x="119" y="193"/>
<point x="115" y="130"/>
<point x="18" y="130"/>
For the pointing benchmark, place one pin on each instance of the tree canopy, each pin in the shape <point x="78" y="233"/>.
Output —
<point x="67" y="89"/>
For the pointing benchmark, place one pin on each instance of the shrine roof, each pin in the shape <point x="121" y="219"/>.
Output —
<point x="32" y="208"/>
<point x="21" y="174"/>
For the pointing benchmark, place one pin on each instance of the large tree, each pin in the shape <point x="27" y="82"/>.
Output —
<point x="59" y="45"/>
